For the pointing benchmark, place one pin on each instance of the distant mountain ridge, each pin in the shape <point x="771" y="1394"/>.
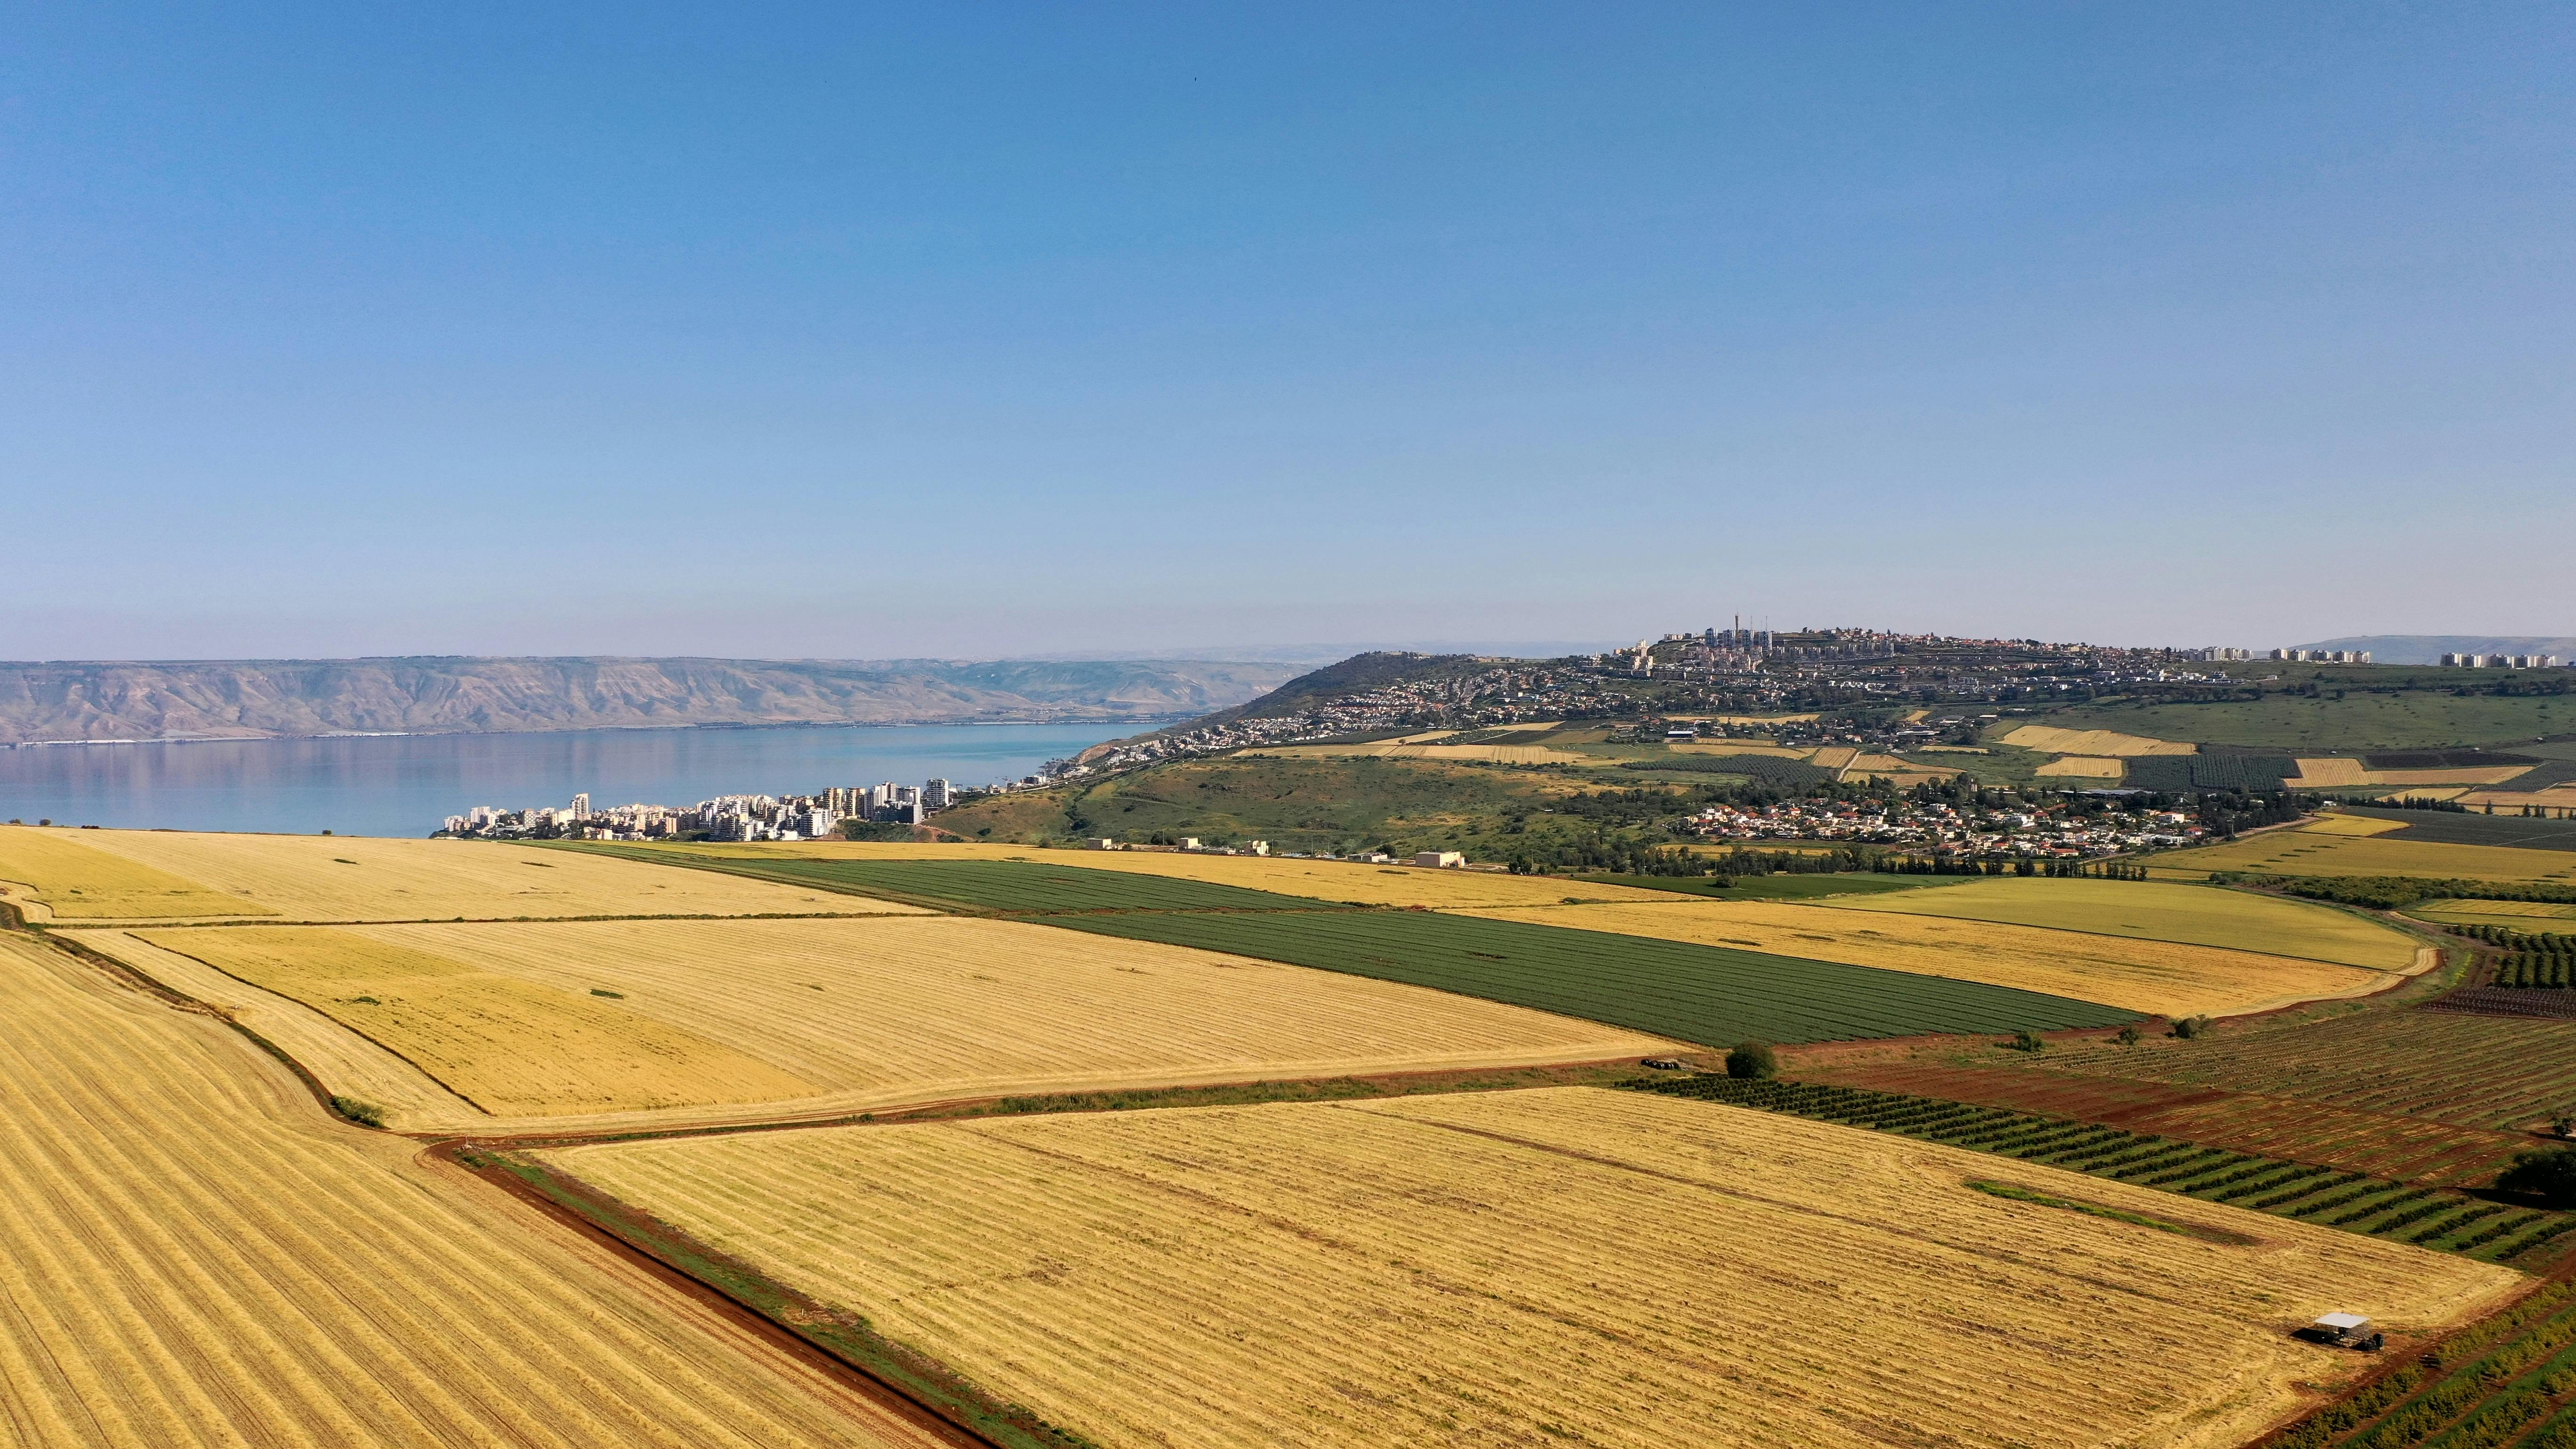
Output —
<point x="2429" y="648"/>
<point x="202" y="699"/>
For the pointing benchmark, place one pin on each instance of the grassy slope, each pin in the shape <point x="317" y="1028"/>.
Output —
<point x="1295" y="804"/>
<point x="2414" y="719"/>
<point x="2148" y="911"/>
<point x="1707" y="994"/>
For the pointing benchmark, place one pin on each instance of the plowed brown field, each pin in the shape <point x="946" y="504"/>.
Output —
<point x="192" y="1254"/>
<point x="1575" y="1265"/>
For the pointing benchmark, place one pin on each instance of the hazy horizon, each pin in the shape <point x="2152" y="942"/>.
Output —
<point x="851" y="334"/>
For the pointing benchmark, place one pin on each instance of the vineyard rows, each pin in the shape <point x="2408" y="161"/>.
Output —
<point x="2424" y="1216"/>
<point x="2475" y="1071"/>
<point x="2508" y="1383"/>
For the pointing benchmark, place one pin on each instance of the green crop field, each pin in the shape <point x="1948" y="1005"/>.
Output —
<point x="2194" y="915"/>
<point x="2402" y="720"/>
<point x="1707" y="994"/>
<point x="2475" y="1071"/>
<point x="985" y="885"/>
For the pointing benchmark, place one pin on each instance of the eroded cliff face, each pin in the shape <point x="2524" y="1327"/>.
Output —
<point x="257" y="698"/>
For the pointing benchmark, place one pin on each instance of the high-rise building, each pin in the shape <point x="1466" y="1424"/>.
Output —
<point x="581" y="806"/>
<point x="935" y="795"/>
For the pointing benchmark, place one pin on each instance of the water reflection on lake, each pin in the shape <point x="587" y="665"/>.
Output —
<point x="407" y="784"/>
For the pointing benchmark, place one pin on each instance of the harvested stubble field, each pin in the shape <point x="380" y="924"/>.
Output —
<point x="2302" y="851"/>
<point x="2083" y="767"/>
<point x="1713" y="995"/>
<point x="819" y="1016"/>
<point x="1607" y="1267"/>
<point x="2478" y="1071"/>
<point x="510" y="1046"/>
<point x="192" y="1253"/>
<point x="1330" y="881"/>
<point x="2142" y="976"/>
<point x="2055" y="741"/>
<point x="353" y="878"/>
<point x="53" y="876"/>
<point x="996" y="885"/>
<point x="2148" y="911"/>
<point x="2361" y="825"/>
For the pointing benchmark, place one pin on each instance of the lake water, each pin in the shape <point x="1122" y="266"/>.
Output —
<point x="408" y="784"/>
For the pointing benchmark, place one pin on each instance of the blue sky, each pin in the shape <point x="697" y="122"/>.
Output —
<point x="858" y="332"/>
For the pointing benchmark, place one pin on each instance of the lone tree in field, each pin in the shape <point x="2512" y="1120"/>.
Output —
<point x="1752" y="1060"/>
<point x="2549" y="1175"/>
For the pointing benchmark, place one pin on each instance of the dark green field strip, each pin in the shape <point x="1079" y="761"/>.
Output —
<point x="986" y="885"/>
<point x="2445" y="1221"/>
<point x="2451" y="827"/>
<point x="1707" y="994"/>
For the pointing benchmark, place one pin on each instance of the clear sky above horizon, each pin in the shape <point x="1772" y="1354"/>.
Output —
<point x="876" y="331"/>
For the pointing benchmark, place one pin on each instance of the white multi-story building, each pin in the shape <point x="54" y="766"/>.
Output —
<point x="936" y="795"/>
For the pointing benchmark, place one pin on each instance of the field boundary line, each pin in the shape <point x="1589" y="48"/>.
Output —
<point x="940" y="1397"/>
<point x="134" y="978"/>
<point x="385" y="1047"/>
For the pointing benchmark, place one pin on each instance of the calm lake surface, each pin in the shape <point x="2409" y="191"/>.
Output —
<point x="408" y="784"/>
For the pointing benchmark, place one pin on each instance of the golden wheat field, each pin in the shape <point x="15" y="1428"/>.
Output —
<point x="2305" y="851"/>
<point x="1835" y="757"/>
<point x="1577" y="1265"/>
<point x="843" y="1015"/>
<point x="511" y="1046"/>
<point x="2358" y="825"/>
<point x="2158" y="977"/>
<point x="1331" y="880"/>
<point x="2084" y="767"/>
<point x="2329" y="773"/>
<point x="2191" y="915"/>
<point x="54" y="876"/>
<point x="2055" y="741"/>
<point x="193" y="1254"/>
<point x="344" y="878"/>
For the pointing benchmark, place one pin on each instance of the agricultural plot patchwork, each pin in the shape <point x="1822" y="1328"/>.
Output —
<point x="1028" y="886"/>
<point x="1714" y="995"/>
<point x="1327" y="881"/>
<point x="2148" y="911"/>
<point x="2319" y="1131"/>
<point x="2363" y="1203"/>
<point x="2056" y="741"/>
<point x="2479" y="1071"/>
<point x="552" y="1020"/>
<point x="2300" y="851"/>
<point x="2142" y="976"/>
<point x="2465" y="827"/>
<point x="191" y="1254"/>
<point x="350" y="878"/>
<point x="1611" y="1268"/>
